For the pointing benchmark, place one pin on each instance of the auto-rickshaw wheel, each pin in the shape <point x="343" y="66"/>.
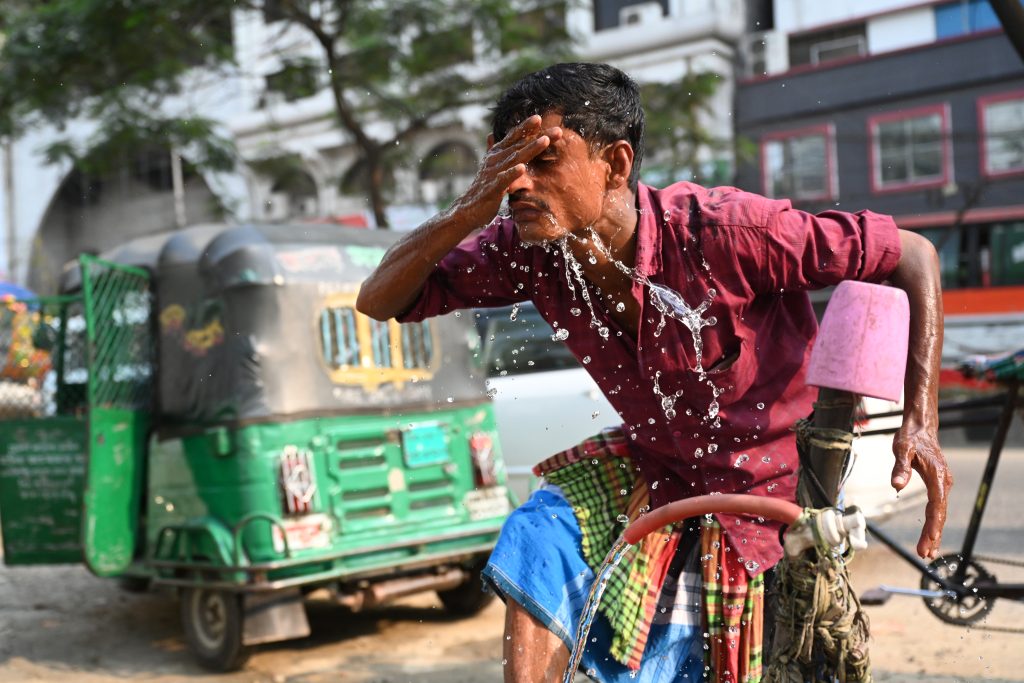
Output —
<point x="469" y="598"/>
<point x="213" y="621"/>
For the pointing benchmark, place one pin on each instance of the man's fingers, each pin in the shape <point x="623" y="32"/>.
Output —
<point x="527" y="126"/>
<point x="938" y="480"/>
<point x="508" y="176"/>
<point x="901" y="470"/>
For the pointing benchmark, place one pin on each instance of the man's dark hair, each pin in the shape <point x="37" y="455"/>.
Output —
<point x="597" y="101"/>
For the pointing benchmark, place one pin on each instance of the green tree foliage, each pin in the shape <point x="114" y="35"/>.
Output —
<point x="410" y="63"/>
<point x="114" y="62"/>
<point x="676" y="135"/>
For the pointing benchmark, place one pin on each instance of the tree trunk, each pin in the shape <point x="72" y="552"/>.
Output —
<point x="375" y="176"/>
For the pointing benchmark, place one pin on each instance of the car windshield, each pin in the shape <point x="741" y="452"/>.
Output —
<point x="519" y="344"/>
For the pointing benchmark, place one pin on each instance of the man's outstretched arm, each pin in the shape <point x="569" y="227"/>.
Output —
<point x="394" y="285"/>
<point x="916" y="444"/>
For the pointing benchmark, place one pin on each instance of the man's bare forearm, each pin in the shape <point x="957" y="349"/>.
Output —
<point x="916" y="444"/>
<point x="918" y="275"/>
<point x="403" y="271"/>
<point x="396" y="283"/>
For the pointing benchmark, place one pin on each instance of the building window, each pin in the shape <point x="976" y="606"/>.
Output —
<point x="1001" y="119"/>
<point x="799" y="164"/>
<point x="966" y="16"/>
<point x="358" y="350"/>
<point x="822" y="47"/>
<point x="295" y="80"/>
<point x="545" y="23"/>
<point x="910" y="149"/>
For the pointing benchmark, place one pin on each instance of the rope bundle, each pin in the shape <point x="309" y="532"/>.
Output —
<point x="820" y="632"/>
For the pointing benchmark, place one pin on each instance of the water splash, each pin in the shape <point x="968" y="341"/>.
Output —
<point x="574" y="272"/>
<point x="590" y="607"/>
<point x="670" y="304"/>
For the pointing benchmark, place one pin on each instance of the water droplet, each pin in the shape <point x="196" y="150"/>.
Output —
<point x="772" y="487"/>
<point x="623" y="519"/>
<point x="766" y="459"/>
<point x="760" y="406"/>
<point x="458" y="314"/>
<point x="450" y="399"/>
<point x="623" y="492"/>
<point x="654" y="485"/>
<point x="752" y="566"/>
<point x="699" y="453"/>
<point x="514" y="313"/>
<point x="712" y="447"/>
<point x="593" y="415"/>
<point x="586" y="360"/>
<point x="561" y="334"/>
<point x="620" y="307"/>
<point x="575" y="311"/>
<point x="492" y="392"/>
<point x="741" y="459"/>
<point x="651" y="420"/>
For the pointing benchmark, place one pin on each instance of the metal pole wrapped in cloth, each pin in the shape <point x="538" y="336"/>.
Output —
<point x="820" y="632"/>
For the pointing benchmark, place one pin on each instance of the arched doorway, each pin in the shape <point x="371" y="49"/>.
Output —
<point x="120" y="197"/>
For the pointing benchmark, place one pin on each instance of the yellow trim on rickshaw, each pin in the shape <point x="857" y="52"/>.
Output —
<point x="369" y="373"/>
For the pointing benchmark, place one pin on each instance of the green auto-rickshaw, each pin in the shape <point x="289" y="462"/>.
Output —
<point x="206" y="410"/>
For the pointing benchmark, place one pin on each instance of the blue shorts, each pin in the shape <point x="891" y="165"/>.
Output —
<point x="538" y="564"/>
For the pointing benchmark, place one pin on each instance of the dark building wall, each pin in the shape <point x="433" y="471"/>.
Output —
<point x="955" y="73"/>
<point x="606" y="12"/>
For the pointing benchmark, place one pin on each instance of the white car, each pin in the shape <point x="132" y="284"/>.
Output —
<point x="545" y="402"/>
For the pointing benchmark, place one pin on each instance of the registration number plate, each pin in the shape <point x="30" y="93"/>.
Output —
<point x="487" y="503"/>
<point x="425" y="445"/>
<point x="303" y="533"/>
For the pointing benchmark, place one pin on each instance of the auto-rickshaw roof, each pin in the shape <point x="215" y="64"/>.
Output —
<point x="252" y="253"/>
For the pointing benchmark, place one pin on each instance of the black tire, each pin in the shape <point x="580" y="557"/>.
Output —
<point x="469" y="598"/>
<point x="213" y="621"/>
<point x="963" y="611"/>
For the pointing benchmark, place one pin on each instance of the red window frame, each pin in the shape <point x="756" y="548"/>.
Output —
<point x="900" y="115"/>
<point x="826" y="130"/>
<point x="984" y="102"/>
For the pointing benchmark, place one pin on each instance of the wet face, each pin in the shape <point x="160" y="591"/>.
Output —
<point x="563" y="189"/>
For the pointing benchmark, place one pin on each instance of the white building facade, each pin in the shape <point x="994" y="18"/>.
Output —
<point x="296" y="162"/>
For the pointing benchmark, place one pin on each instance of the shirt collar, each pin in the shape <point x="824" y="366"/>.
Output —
<point x="648" y="232"/>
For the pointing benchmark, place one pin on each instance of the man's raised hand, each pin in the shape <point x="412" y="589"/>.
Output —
<point x="504" y="162"/>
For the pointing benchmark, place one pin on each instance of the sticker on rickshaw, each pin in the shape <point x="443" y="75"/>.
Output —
<point x="304" y="533"/>
<point x="487" y="503"/>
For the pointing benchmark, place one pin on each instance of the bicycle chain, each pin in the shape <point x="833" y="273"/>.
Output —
<point x="998" y="560"/>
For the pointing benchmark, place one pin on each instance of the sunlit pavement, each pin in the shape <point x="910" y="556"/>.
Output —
<point x="62" y="624"/>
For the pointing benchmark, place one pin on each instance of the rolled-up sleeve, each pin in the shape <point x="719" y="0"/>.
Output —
<point x="475" y="274"/>
<point x="810" y="251"/>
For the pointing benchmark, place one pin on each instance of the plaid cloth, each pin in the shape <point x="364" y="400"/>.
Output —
<point x="606" y="491"/>
<point x="733" y="611"/>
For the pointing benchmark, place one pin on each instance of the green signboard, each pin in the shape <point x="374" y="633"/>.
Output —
<point x="42" y="473"/>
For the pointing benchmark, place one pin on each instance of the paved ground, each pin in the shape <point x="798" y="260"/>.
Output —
<point x="61" y="624"/>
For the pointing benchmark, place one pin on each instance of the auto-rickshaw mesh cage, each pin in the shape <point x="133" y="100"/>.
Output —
<point x="61" y="354"/>
<point x="118" y="302"/>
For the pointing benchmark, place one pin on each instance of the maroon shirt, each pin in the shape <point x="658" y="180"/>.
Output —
<point x="761" y="256"/>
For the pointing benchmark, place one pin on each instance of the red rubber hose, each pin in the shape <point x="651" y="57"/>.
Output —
<point x="735" y="503"/>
